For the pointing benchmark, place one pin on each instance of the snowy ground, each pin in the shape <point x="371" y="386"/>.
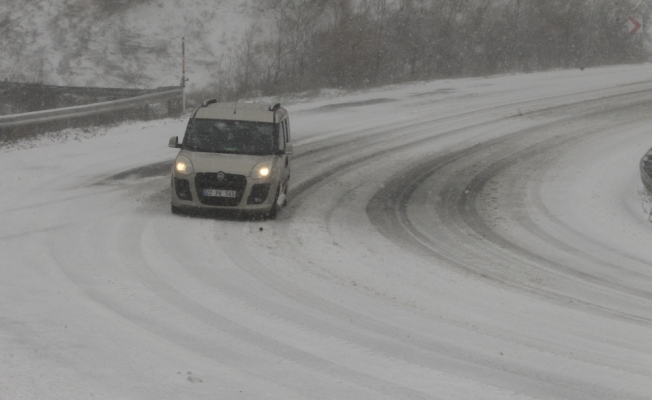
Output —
<point x="463" y="239"/>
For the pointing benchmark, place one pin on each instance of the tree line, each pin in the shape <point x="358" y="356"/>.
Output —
<point x="313" y="44"/>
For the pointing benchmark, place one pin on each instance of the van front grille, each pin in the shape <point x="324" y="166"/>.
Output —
<point x="209" y="180"/>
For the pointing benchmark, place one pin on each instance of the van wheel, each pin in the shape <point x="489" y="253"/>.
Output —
<point x="176" y="210"/>
<point x="285" y="192"/>
<point x="273" y="213"/>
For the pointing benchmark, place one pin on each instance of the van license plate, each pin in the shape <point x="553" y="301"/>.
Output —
<point x="219" y="193"/>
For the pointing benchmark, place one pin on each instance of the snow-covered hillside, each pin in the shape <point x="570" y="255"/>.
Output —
<point x="118" y="43"/>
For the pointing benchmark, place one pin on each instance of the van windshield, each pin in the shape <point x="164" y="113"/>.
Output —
<point x="231" y="137"/>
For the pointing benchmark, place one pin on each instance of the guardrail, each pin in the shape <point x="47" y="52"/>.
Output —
<point x="90" y="114"/>
<point x="85" y="110"/>
<point x="51" y="90"/>
<point x="646" y="171"/>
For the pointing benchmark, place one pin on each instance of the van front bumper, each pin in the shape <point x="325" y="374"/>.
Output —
<point x="224" y="192"/>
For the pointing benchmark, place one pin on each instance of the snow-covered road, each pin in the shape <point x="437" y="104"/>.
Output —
<point x="462" y="239"/>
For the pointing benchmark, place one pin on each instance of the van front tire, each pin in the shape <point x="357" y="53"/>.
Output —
<point x="273" y="212"/>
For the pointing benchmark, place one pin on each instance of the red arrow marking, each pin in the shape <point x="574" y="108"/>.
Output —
<point x="637" y="25"/>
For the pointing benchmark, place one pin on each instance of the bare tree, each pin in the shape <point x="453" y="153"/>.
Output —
<point x="369" y="42"/>
<point x="246" y="62"/>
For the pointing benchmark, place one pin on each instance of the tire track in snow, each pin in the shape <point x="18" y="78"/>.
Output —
<point x="130" y="238"/>
<point x="457" y="210"/>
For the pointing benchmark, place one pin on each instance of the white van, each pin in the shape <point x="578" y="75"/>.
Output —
<point x="233" y="157"/>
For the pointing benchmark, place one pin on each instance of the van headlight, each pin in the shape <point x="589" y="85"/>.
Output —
<point x="261" y="170"/>
<point x="183" y="166"/>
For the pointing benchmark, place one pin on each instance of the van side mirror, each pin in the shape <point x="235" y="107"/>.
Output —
<point x="174" y="142"/>
<point x="289" y="149"/>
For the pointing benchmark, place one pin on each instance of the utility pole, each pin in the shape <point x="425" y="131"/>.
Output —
<point x="183" y="73"/>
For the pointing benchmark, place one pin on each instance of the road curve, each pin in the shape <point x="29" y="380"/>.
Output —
<point x="485" y="246"/>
